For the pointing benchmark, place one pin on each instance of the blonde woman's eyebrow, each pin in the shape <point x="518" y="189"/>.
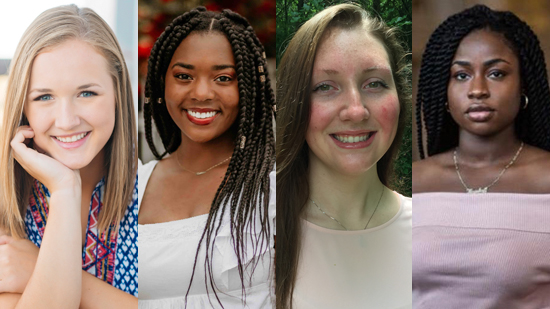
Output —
<point x="42" y="90"/>
<point x="88" y="86"/>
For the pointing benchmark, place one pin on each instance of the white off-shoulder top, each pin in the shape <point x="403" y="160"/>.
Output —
<point x="167" y="254"/>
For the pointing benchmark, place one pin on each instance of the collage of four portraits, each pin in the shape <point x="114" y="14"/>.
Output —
<point x="288" y="154"/>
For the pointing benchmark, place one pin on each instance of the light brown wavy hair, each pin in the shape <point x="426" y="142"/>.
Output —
<point x="293" y="95"/>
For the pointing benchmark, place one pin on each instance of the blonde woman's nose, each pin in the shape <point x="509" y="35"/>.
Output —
<point x="67" y="116"/>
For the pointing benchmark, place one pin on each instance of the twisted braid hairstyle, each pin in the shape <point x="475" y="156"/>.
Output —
<point x="244" y="191"/>
<point x="531" y="125"/>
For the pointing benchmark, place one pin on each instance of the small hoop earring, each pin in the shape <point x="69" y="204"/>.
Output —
<point x="447" y="107"/>
<point x="526" y="101"/>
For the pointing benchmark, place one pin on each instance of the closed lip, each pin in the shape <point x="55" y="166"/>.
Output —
<point x="477" y="107"/>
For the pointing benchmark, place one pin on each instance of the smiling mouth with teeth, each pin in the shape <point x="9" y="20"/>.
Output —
<point x="202" y="115"/>
<point x="352" y="139"/>
<point x="72" y="139"/>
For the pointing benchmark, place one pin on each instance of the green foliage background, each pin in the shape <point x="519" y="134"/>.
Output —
<point x="291" y="14"/>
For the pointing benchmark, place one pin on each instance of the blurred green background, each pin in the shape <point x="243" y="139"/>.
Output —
<point x="291" y="14"/>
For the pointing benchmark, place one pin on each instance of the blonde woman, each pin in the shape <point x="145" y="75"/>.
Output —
<point x="68" y="169"/>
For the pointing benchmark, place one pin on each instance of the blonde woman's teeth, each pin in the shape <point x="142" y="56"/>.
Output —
<point x="201" y="115"/>
<point x="71" y="139"/>
<point x="352" y="139"/>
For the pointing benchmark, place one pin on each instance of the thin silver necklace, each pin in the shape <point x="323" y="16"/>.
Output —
<point x="198" y="173"/>
<point x="484" y="189"/>
<point x="372" y="215"/>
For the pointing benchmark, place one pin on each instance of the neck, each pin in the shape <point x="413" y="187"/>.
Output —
<point x="344" y="196"/>
<point x="480" y="151"/>
<point x="198" y="156"/>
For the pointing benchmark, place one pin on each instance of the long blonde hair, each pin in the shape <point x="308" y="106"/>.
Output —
<point x="51" y="28"/>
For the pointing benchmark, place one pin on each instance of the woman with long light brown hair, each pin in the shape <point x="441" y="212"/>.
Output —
<point x="68" y="168"/>
<point x="344" y="238"/>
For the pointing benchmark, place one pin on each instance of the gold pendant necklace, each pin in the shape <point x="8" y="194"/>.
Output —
<point x="484" y="189"/>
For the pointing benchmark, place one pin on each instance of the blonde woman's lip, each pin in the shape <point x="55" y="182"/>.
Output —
<point x="72" y="141"/>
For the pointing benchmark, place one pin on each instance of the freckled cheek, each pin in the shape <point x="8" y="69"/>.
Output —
<point x="389" y="113"/>
<point x="319" y="117"/>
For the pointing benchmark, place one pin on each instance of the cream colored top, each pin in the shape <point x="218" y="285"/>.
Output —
<point x="357" y="269"/>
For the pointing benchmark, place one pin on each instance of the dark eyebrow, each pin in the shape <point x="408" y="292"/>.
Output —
<point x="183" y="65"/>
<point x="223" y="67"/>
<point x="214" y="67"/>
<point x="486" y="63"/>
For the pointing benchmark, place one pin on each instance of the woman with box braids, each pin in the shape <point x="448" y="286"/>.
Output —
<point x="482" y="190"/>
<point x="242" y="210"/>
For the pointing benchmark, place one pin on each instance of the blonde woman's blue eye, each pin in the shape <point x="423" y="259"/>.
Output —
<point x="45" y="97"/>
<point x="87" y="94"/>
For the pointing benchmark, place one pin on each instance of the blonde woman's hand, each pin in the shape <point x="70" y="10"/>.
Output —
<point x="52" y="173"/>
<point x="17" y="261"/>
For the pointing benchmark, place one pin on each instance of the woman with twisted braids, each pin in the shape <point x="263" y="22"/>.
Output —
<point x="207" y="210"/>
<point x="481" y="233"/>
<point x="344" y="238"/>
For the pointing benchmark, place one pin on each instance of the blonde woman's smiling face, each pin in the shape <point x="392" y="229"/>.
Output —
<point x="70" y="103"/>
<point x="354" y="105"/>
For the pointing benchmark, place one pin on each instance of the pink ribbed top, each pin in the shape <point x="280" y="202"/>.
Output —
<point x="481" y="250"/>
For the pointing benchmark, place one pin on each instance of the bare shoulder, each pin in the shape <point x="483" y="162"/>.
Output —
<point x="536" y="165"/>
<point x="427" y="172"/>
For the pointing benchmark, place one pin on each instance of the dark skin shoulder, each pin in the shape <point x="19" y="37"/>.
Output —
<point x="529" y="174"/>
<point x="434" y="174"/>
<point x="532" y="171"/>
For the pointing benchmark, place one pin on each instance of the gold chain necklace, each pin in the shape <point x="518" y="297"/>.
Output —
<point x="198" y="173"/>
<point x="372" y="215"/>
<point x="484" y="189"/>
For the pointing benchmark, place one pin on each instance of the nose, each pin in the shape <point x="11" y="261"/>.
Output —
<point x="478" y="88"/>
<point x="202" y="90"/>
<point x="355" y="109"/>
<point x="67" y="117"/>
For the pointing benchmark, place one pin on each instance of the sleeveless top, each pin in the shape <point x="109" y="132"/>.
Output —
<point x="109" y="256"/>
<point x="167" y="254"/>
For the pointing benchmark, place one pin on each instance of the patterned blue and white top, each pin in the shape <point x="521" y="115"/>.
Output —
<point x="111" y="257"/>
